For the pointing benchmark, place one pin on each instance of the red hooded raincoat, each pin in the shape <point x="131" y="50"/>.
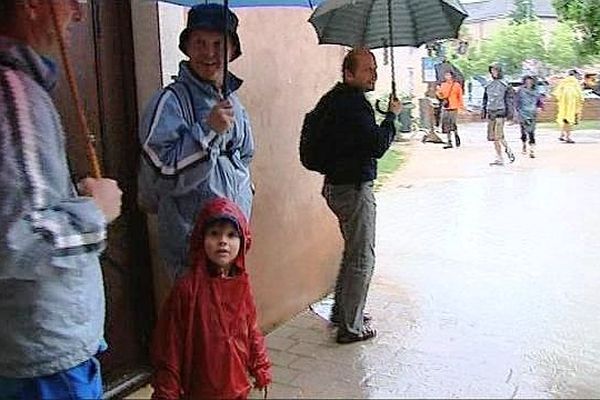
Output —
<point x="207" y="340"/>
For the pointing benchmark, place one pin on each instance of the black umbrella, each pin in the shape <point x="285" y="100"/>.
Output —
<point x="387" y="23"/>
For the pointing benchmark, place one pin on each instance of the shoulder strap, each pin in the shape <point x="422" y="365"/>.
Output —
<point x="185" y="99"/>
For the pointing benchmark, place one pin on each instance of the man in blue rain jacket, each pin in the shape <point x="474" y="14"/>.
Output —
<point x="196" y="136"/>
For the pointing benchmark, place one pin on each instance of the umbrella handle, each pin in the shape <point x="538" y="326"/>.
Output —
<point x="378" y="107"/>
<point x="378" y="102"/>
<point x="225" y="48"/>
<point x="83" y="124"/>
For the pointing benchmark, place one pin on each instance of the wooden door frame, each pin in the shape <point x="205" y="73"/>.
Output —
<point x="118" y="110"/>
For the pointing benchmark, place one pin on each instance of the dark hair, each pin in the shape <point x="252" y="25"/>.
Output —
<point x="7" y="10"/>
<point x="573" y="72"/>
<point x="350" y="60"/>
<point x="211" y="223"/>
<point x="450" y="72"/>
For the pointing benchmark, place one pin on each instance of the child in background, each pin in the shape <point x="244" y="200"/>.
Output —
<point x="207" y="340"/>
<point x="528" y="101"/>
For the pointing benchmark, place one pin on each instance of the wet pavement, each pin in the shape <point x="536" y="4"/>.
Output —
<point x="487" y="285"/>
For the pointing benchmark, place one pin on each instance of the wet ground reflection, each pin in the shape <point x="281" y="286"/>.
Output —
<point x="488" y="288"/>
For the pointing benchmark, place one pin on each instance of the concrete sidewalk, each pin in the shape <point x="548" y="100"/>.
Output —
<point x="486" y="282"/>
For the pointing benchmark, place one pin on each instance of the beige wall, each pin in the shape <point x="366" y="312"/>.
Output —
<point x="297" y="245"/>
<point x="409" y="77"/>
<point x="296" y="242"/>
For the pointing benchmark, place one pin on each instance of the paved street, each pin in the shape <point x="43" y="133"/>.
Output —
<point x="487" y="282"/>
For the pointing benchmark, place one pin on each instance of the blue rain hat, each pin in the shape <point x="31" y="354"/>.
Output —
<point x="210" y="17"/>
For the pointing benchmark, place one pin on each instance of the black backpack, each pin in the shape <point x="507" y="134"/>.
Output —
<point x="315" y="140"/>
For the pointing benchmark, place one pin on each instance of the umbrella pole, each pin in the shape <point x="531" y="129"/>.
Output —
<point x="83" y="124"/>
<point x="225" y="48"/>
<point x="391" y="31"/>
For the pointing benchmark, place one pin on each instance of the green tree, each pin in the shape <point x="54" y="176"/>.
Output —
<point x="523" y="12"/>
<point x="513" y="44"/>
<point x="510" y="45"/>
<point x="465" y="62"/>
<point x="585" y="14"/>
<point x="563" y="48"/>
<point x="473" y="63"/>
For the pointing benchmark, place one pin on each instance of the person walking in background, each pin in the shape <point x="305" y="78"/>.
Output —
<point x="570" y="99"/>
<point x="527" y="103"/>
<point x="52" y="301"/>
<point x="498" y="106"/>
<point x="450" y="93"/>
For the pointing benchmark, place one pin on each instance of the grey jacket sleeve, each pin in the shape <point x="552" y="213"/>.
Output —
<point x="49" y="236"/>
<point x="509" y="102"/>
<point x="44" y="223"/>
<point x="484" y="104"/>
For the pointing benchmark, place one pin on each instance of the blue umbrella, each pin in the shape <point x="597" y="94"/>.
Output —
<point x="244" y="3"/>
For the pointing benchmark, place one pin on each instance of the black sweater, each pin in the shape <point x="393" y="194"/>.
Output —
<point x="357" y="141"/>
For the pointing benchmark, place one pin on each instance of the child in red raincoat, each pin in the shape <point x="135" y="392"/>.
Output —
<point x="207" y="340"/>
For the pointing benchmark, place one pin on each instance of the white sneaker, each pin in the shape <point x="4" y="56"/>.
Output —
<point x="510" y="155"/>
<point x="497" y="163"/>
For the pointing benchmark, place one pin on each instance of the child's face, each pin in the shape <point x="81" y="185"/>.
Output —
<point x="529" y="83"/>
<point x="222" y="243"/>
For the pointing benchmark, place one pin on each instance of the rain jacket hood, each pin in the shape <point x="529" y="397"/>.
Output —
<point x="528" y="100"/>
<point x="219" y="209"/>
<point x="570" y="100"/>
<point x="207" y="339"/>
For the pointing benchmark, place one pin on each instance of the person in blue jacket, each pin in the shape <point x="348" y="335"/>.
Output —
<point x="527" y="103"/>
<point x="196" y="136"/>
<point x="52" y="304"/>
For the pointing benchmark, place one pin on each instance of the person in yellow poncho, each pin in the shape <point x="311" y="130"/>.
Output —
<point x="570" y="104"/>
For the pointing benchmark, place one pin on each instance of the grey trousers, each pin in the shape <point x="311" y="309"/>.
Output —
<point x="354" y="207"/>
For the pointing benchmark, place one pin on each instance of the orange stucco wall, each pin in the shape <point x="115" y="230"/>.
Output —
<point x="296" y="241"/>
<point x="297" y="244"/>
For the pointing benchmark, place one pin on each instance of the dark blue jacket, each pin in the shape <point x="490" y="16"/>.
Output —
<point x="357" y="139"/>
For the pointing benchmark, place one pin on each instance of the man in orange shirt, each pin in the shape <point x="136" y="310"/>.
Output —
<point x="450" y="93"/>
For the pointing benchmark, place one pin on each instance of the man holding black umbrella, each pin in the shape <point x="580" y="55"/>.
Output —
<point x="348" y="188"/>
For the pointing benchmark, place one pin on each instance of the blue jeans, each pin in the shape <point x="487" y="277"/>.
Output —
<point x="528" y="130"/>
<point x="82" y="382"/>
